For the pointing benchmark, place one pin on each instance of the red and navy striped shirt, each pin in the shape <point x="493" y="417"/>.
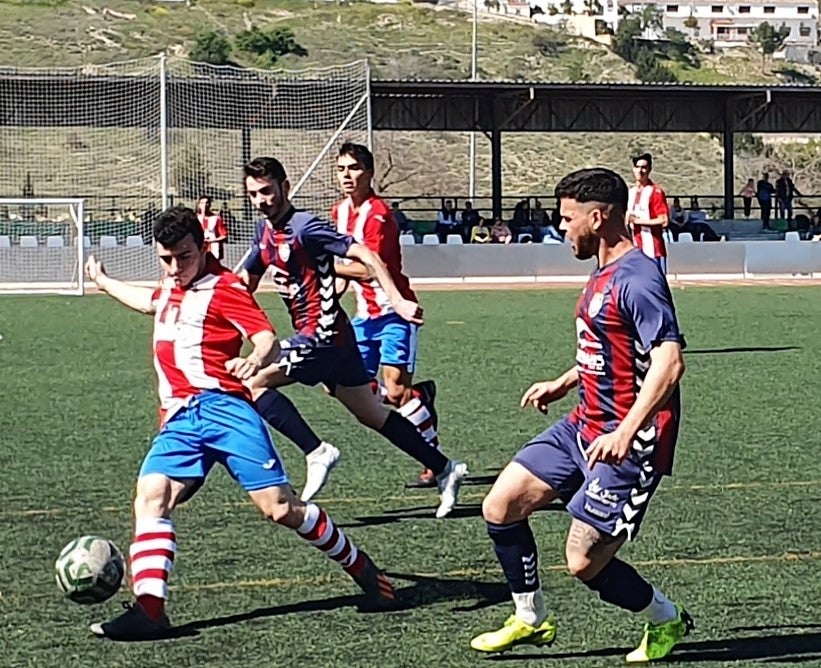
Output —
<point x="300" y="251"/>
<point x="625" y="310"/>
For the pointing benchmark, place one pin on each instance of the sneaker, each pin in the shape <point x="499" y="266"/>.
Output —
<point x="449" y="482"/>
<point x="319" y="463"/>
<point x="659" y="639"/>
<point x="132" y="625"/>
<point x="376" y="585"/>
<point x="515" y="632"/>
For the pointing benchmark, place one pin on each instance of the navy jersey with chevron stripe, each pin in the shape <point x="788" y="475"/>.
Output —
<point x="300" y="252"/>
<point x="624" y="311"/>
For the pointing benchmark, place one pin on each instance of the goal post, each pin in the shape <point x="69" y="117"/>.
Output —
<point x="42" y="245"/>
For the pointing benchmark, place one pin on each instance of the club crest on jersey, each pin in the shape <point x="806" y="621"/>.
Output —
<point x="284" y="251"/>
<point x="596" y="302"/>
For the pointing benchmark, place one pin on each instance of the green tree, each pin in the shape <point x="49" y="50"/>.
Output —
<point x="768" y="39"/>
<point x="567" y="7"/>
<point x="211" y="47"/>
<point x="269" y="46"/>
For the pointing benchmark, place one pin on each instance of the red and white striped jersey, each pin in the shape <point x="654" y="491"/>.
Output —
<point x="648" y="202"/>
<point x="372" y="225"/>
<point x="213" y="226"/>
<point x="197" y="330"/>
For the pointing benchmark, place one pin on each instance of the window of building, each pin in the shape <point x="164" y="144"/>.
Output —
<point x="717" y="9"/>
<point x="803" y="10"/>
<point x="672" y="9"/>
<point x="805" y="31"/>
<point x="722" y="31"/>
<point x="743" y="31"/>
<point x="744" y="9"/>
<point x="769" y="9"/>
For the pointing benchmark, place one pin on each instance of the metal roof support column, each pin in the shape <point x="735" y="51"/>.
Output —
<point x="496" y="170"/>
<point x="729" y="156"/>
<point x="245" y="134"/>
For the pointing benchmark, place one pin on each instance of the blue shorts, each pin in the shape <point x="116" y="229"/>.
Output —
<point x="613" y="499"/>
<point x="388" y="340"/>
<point x="216" y="428"/>
<point x="330" y="365"/>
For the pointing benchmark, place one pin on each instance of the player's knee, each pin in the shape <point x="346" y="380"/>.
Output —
<point x="496" y="509"/>
<point x="397" y="394"/>
<point x="579" y="564"/>
<point x="279" y="506"/>
<point x="153" y="498"/>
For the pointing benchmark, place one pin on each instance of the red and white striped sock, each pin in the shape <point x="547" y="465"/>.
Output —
<point x="321" y="532"/>
<point x="419" y="415"/>
<point x="152" y="557"/>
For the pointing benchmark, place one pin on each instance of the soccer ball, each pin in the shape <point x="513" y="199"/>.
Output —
<point x="90" y="570"/>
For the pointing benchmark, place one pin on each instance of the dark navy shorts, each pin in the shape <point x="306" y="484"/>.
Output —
<point x="613" y="499"/>
<point x="330" y="365"/>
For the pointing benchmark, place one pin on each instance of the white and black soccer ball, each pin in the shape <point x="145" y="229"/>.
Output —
<point x="90" y="569"/>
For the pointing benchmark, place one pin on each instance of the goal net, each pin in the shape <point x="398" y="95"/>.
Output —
<point x="42" y="245"/>
<point x="129" y="138"/>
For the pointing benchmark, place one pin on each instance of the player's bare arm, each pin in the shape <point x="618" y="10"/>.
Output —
<point x="251" y="280"/>
<point x="663" y="376"/>
<point x="133" y="296"/>
<point x="661" y="220"/>
<point x="266" y="350"/>
<point x="356" y="271"/>
<point x="541" y="395"/>
<point x="406" y="309"/>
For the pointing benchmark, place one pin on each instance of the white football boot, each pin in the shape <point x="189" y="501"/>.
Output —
<point x="319" y="463"/>
<point x="449" y="482"/>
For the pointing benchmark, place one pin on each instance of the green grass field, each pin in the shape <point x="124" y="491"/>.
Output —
<point x="735" y="534"/>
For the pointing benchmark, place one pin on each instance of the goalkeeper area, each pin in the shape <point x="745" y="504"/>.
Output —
<point x="734" y="535"/>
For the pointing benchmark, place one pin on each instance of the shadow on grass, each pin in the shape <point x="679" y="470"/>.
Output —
<point x="793" y="649"/>
<point x="462" y="511"/>
<point x="424" y="590"/>
<point x="741" y="349"/>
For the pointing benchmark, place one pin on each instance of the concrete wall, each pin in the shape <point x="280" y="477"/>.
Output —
<point x="514" y="263"/>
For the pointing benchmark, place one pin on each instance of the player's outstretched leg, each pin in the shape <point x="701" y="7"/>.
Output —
<point x="320" y="456"/>
<point x="450" y="474"/>
<point x="315" y="526"/>
<point x="151" y="559"/>
<point x="506" y="509"/>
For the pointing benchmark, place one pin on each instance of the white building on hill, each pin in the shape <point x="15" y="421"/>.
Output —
<point x="730" y="23"/>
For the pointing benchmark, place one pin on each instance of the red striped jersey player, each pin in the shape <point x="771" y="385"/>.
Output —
<point x="647" y="212"/>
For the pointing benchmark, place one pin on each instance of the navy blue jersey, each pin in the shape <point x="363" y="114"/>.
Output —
<point x="624" y="311"/>
<point x="300" y="251"/>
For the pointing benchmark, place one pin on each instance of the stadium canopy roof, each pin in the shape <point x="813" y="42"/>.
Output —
<point x="491" y="107"/>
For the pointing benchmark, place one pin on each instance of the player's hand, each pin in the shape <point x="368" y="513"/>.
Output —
<point x="95" y="271"/>
<point x="410" y="311"/>
<point x="243" y="368"/>
<point x="541" y="395"/>
<point x="611" y="448"/>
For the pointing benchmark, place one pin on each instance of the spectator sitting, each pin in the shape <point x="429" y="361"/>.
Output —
<point x="500" y="232"/>
<point x="815" y="227"/>
<point x="401" y="219"/>
<point x="470" y="219"/>
<point x="697" y="223"/>
<point x="677" y="217"/>
<point x="480" y="234"/>
<point x="447" y="222"/>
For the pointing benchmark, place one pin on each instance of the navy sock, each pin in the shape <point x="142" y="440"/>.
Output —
<point x="279" y="412"/>
<point x="401" y="432"/>
<point x="516" y="551"/>
<point x="618" y="583"/>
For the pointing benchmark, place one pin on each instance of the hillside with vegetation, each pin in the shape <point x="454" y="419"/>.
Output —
<point x="413" y="40"/>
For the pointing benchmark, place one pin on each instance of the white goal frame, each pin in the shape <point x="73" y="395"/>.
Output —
<point x="74" y="286"/>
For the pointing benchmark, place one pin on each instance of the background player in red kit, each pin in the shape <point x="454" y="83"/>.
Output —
<point x="383" y="337"/>
<point x="609" y="455"/>
<point x="202" y="313"/>
<point x="300" y="250"/>
<point x="213" y="226"/>
<point x="647" y="212"/>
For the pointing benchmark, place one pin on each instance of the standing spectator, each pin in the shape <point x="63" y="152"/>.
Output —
<point x="470" y="219"/>
<point x="747" y="193"/>
<point x="213" y="226"/>
<point x="764" y="192"/>
<point x="785" y="191"/>
<point x="647" y="212"/>
<point x="447" y="222"/>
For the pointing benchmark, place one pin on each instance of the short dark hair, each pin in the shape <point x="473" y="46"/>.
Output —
<point x="644" y="156"/>
<point x="594" y="185"/>
<point x="359" y="152"/>
<point x="176" y="223"/>
<point x="264" y="168"/>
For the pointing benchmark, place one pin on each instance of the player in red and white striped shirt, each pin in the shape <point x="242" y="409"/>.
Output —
<point x="384" y="339"/>
<point x="213" y="225"/>
<point x="202" y="314"/>
<point x="647" y="212"/>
